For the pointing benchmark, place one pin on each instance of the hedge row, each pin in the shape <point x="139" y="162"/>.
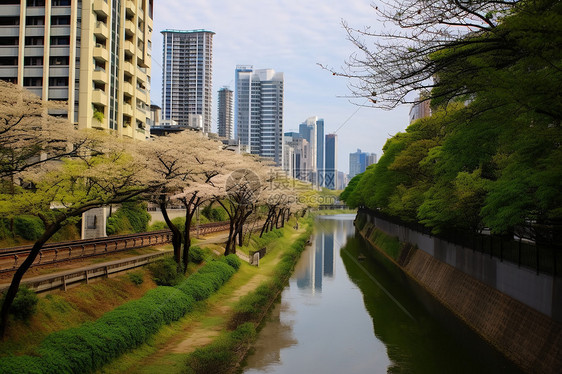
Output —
<point x="221" y="355"/>
<point x="88" y="347"/>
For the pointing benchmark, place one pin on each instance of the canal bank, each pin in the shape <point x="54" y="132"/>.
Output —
<point x="526" y="336"/>
<point x="343" y="312"/>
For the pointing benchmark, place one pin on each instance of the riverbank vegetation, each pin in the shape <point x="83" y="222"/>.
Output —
<point x="489" y="156"/>
<point x="87" y="347"/>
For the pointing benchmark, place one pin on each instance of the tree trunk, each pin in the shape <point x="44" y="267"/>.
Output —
<point x="267" y="220"/>
<point x="190" y="208"/>
<point x="50" y="230"/>
<point x="176" y="233"/>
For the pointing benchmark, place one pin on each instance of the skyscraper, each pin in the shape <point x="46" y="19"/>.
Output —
<point x="313" y="131"/>
<point x="331" y="168"/>
<point x="225" y="120"/>
<point x="187" y="61"/>
<point x="259" y="111"/>
<point x="357" y="163"/>
<point x="96" y="55"/>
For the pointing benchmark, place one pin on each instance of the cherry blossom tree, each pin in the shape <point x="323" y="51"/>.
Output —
<point x="105" y="171"/>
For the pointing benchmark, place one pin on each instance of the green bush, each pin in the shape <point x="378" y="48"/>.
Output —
<point x="24" y="304"/>
<point x="158" y="225"/>
<point x="233" y="261"/>
<point x="214" y="214"/>
<point x="136" y="277"/>
<point x="129" y="218"/>
<point x="195" y="255"/>
<point x="166" y="272"/>
<point x="28" y="227"/>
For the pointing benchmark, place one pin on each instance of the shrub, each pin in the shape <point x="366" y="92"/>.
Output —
<point x="166" y="272"/>
<point x="24" y="304"/>
<point x="28" y="227"/>
<point x="136" y="277"/>
<point x="195" y="255"/>
<point x="158" y="225"/>
<point x="130" y="217"/>
<point x="233" y="261"/>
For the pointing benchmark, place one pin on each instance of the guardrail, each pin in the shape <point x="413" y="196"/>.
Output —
<point x="64" y="279"/>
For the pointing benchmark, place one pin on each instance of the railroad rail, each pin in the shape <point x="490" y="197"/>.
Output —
<point x="71" y="250"/>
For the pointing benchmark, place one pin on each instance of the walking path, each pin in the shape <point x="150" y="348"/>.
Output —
<point x="168" y="354"/>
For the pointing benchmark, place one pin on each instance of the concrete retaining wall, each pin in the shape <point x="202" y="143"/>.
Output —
<point x="510" y="307"/>
<point x="541" y="292"/>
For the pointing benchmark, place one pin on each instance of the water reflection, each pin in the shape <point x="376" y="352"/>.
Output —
<point x="317" y="264"/>
<point x="340" y="314"/>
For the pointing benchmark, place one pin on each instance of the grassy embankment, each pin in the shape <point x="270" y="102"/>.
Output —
<point x="216" y="335"/>
<point x="386" y="243"/>
<point x="90" y="345"/>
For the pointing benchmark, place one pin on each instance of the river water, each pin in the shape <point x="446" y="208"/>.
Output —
<point x="342" y="312"/>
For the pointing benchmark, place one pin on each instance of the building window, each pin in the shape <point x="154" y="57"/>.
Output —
<point x="31" y="3"/>
<point x="32" y="81"/>
<point x="58" y="60"/>
<point x="60" y="3"/>
<point x="58" y="81"/>
<point x="60" y="20"/>
<point x="60" y="40"/>
<point x="9" y="21"/>
<point x="9" y="40"/>
<point x="35" y="21"/>
<point x="34" y="40"/>
<point x="8" y="61"/>
<point x="33" y="61"/>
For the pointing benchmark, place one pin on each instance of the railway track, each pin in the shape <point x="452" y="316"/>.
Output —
<point x="10" y="258"/>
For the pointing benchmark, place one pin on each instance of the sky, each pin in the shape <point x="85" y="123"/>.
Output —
<point x="292" y="37"/>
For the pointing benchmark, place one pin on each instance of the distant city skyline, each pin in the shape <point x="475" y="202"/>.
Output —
<point x="292" y="40"/>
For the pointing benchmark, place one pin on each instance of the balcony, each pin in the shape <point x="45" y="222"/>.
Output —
<point x="100" y="76"/>
<point x="101" y="7"/>
<point x="101" y="30"/>
<point x="11" y="10"/>
<point x="58" y="93"/>
<point x="128" y="90"/>
<point x="129" y="47"/>
<point x="58" y="71"/>
<point x="127" y="131"/>
<point x="130" y="7"/>
<point x="99" y="97"/>
<point x="127" y="110"/>
<point x="33" y="71"/>
<point x="61" y="10"/>
<point x="128" y="67"/>
<point x="101" y="53"/>
<point x="14" y="31"/>
<point x="130" y="27"/>
<point x="62" y="50"/>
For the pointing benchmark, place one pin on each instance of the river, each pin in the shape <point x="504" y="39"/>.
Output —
<point x="342" y="312"/>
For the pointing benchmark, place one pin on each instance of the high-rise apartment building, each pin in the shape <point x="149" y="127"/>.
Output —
<point x="358" y="162"/>
<point x="187" y="88"/>
<point x="313" y="131"/>
<point x="331" y="165"/>
<point x="94" y="54"/>
<point x="226" y="119"/>
<point x="259" y="111"/>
